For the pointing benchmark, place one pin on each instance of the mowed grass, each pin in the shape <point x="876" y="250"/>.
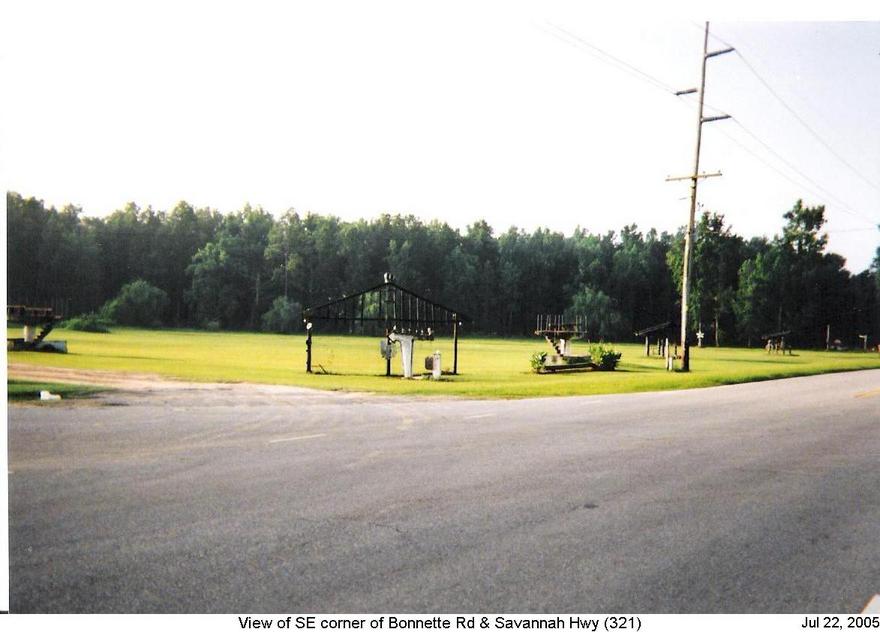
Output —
<point x="23" y="390"/>
<point x="488" y="368"/>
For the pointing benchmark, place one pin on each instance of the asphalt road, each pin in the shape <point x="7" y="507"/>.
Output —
<point x="752" y="498"/>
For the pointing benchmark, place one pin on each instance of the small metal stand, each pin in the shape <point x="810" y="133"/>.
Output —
<point x="560" y="334"/>
<point x="31" y="318"/>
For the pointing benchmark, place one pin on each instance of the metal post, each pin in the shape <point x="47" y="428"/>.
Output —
<point x="455" y="345"/>
<point x="388" y="356"/>
<point x="308" y="347"/>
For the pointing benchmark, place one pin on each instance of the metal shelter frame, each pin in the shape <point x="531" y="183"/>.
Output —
<point x="660" y="331"/>
<point x="393" y="308"/>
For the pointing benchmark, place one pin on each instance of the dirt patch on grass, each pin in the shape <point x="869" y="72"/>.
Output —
<point x="122" y="381"/>
<point x="126" y="388"/>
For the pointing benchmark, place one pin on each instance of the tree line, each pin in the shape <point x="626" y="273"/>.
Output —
<point x="249" y="270"/>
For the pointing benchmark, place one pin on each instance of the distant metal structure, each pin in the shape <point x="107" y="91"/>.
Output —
<point x="661" y="332"/>
<point x="560" y="332"/>
<point x="776" y="342"/>
<point x="402" y="315"/>
<point x="31" y="318"/>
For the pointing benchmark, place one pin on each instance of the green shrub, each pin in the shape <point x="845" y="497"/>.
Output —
<point x="87" y="322"/>
<point x="138" y="304"/>
<point x="604" y="356"/>
<point x="537" y="361"/>
<point x="283" y="317"/>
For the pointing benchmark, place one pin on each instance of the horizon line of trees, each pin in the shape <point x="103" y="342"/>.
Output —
<point x="248" y="270"/>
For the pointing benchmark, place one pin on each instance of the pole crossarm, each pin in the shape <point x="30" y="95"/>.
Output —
<point x="709" y="119"/>
<point x="715" y="53"/>
<point x="693" y="177"/>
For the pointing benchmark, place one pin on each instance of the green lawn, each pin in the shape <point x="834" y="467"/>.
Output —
<point x="22" y="390"/>
<point x="488" y="367"/>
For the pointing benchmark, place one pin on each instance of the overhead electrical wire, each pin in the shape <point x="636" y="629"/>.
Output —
<point x="816" y="189"/>
<point x="828" y="193"/>
<point x="797" y="116"/>
<point x="605" y="56"/>
<point x="805" y="125"/>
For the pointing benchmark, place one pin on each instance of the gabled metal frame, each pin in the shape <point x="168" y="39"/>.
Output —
<point x="394" y="308"/>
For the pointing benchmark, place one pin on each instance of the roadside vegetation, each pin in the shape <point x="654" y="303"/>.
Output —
<point x="249" y="270"/>
<point x="488" y="367"/>
<point x="24" y="390"/>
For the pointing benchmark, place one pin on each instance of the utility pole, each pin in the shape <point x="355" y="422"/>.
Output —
<point x="694" y="178"/>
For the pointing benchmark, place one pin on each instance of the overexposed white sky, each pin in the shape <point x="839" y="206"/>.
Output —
<point x="451" y="111"/>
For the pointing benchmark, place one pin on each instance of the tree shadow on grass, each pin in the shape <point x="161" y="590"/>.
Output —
<point x="119" y="357"/>
<point x="779" y="360"/>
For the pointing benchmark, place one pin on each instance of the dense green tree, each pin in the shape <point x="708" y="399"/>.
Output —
<point x="25" y="231"/>
<point x="184" y="230"/>
<point x="718" y="255"/>
<point x="231" y="270"/>
<point x="228" y="273"/>
<point x="52" y="257"/>
<point x="757" y="301"/>
<point x="138" y="304"/>
<point x="600" y="314"/>
<point x="283" y="317"/>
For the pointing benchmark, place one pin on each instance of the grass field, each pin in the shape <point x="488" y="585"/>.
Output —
<point x="488" y="367"/>
<point x="23" y="390"/>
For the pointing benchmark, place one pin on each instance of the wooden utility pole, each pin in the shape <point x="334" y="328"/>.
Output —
<point x="694" y="178"/>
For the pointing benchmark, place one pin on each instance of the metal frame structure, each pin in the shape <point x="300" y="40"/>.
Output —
<point x="662" y="332"/>
<point x="394" y="309"/>
<point x="31" y="318"/>
<point x="776" y="341"/>
<point x="559" y="333"/>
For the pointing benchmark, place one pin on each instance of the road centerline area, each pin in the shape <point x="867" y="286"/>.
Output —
<point x="872" y="393"/>
<point x="299" y="438"/>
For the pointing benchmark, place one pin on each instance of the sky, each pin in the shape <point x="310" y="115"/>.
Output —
<point x="457" y="112"/>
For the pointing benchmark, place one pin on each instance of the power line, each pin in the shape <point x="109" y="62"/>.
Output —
<point x="797" y="116"/>
<point x="619" y="64"/>
<point x="804" y="123"/>
<point x="605" y="56"/>
<point x="850" y="230"/>
<point x="827" y="193"/>
<point x="815" y="187"/>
